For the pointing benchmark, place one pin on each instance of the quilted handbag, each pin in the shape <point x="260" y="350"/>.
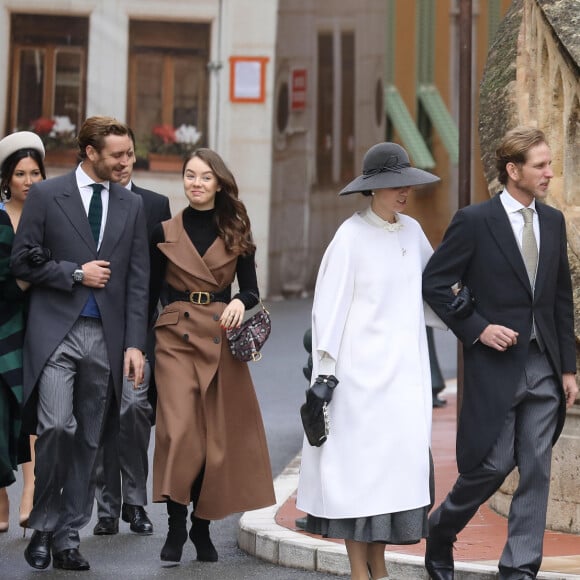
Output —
<point x="247" y="340"/>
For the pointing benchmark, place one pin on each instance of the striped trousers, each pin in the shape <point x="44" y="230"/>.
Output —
<point x="73" y="395"/>
<point x="525" y="442"/>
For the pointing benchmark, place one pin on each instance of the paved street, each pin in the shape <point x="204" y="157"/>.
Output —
<point x="280" y="385"/>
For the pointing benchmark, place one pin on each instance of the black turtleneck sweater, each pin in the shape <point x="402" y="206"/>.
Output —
<point x="202" y="231"/>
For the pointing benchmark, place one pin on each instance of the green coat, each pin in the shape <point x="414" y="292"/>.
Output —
<point x="11" y="337"/>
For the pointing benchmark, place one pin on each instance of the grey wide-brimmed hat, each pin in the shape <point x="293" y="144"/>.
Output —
<point x="20" y="140"/>
<point x="386" y="166"/>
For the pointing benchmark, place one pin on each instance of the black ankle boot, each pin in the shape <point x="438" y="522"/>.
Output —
<point x="199" y="535"/>
<point x="177" y="533"/>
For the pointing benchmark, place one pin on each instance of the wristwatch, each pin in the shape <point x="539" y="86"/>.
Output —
<point x="78" y="276"/>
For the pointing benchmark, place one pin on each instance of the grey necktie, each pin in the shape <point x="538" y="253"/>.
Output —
<point x="529" y="244"/>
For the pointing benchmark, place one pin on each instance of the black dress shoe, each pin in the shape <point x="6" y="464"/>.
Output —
<point x="136" y="516"/>
<point x="438" y="402"/>
<point x="439" y="559"/>
<point x="106" y="527"/>
<point x="37" y="553"/>
<point x="70" y="559"/>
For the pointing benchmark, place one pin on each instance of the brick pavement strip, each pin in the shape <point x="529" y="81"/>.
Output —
<point x="269" y="533"/>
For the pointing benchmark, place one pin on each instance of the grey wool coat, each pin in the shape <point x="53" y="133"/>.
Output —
<point x="54" y="218"/>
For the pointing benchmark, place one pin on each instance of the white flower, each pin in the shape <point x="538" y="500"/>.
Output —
<point x="187" y="134"/>
<point x="62" y="125"/>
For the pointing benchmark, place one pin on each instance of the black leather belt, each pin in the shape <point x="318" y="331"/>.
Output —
<point x="202" y="298"/>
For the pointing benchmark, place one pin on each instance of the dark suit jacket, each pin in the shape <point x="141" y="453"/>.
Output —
<point x="156" y="207"/>
<point x="54" y="218"/>
<point x="480" y="249"/>
<point x="156" y="211"/>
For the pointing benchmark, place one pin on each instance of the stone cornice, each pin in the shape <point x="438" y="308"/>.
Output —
<point x="566" y="24"/>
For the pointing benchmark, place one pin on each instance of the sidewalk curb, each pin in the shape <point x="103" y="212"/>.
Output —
<point x="259" y="535"/>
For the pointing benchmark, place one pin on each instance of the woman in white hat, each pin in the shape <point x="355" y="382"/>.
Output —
<point x="21" y="164"/>
<point x="369" y="483"/>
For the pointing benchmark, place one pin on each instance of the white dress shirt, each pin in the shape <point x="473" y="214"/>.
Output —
<point x="512" y="207"/>
<point x="84" y="184"/>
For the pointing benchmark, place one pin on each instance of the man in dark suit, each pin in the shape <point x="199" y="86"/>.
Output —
<point x="82" y="244"/>
<point x="123" y="454"/>
<point x="518" y="348"/>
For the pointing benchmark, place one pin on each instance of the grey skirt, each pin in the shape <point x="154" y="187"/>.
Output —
<point x="406" y="527"/>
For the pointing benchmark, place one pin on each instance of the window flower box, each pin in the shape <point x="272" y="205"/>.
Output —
<point x="165" y="163"/>
<point x="169" y="147"/>
<point x="59" y="137"/>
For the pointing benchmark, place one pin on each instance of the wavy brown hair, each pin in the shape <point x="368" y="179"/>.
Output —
<point x="231" y="216"/>
<point x="514" y="148"/>
<point x="94" y="131"/>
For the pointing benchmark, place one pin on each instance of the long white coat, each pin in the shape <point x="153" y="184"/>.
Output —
<point x="368" y="316"/>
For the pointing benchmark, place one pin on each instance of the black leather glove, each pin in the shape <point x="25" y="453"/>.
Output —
<point x="462" y="305"/>
<point x="323" y="388"/>
<point x="36" y="256"/>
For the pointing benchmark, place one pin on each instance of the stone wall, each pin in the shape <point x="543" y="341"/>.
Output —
<point x="533" y="77"/>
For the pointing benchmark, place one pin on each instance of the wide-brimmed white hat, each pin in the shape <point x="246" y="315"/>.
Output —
<point x="386" y="166"/>
<point x="20" y="140"/>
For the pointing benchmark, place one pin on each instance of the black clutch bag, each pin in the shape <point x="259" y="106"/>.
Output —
<point x="314" y="412"/>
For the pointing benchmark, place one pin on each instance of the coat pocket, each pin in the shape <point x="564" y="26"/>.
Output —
<point x="167" y="318"/>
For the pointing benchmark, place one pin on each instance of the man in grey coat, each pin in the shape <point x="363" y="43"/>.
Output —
<point x="82" y="244"/>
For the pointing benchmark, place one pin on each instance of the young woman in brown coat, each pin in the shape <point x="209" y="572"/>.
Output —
<point x="210" y="445"/>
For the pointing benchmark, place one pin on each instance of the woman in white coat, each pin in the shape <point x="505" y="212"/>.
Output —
<point x="369" y="483"/>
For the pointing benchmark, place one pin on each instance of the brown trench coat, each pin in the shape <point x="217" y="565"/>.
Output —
<point x="207" y="410"/>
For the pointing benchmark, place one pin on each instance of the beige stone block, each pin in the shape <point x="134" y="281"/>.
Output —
<point x="297" y="554"/>
<point x="247" y="540"/>
<point x="333" y="560"/>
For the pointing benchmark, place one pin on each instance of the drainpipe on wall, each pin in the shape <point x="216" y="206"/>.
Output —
<point x="465" y="120"/>
<point x="215" y="67"/>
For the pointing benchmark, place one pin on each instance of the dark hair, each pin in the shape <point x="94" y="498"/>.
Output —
<point x="94" y="131"/>
<point x="231" y="216"/>
<point x="514" y="148"/>
<point x="10" y="163"/>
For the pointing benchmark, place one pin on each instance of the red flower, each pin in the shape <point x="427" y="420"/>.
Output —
<point x="166" y="133"/>
<point x="43" y="125"/>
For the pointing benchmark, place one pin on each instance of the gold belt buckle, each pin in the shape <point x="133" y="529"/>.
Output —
<point x="203" y="298"/>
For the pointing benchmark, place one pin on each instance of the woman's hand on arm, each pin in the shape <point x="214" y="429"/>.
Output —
<point x="22" y="284"/>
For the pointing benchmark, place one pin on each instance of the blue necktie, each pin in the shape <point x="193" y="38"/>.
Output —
<point x="96" y="211"/>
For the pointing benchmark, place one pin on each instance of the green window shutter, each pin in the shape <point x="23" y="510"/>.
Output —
<point x="405" y="126"/>
<point x="425" y="40"/>
<point x="441" y="118"/>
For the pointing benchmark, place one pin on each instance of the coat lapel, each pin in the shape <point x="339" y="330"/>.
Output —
<point x="547" y="246"/>
<point x="501" y="230"/>
<point x="116" y="218"/>
<point x="72" y="206"/>
<point x="184" y="255"/>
